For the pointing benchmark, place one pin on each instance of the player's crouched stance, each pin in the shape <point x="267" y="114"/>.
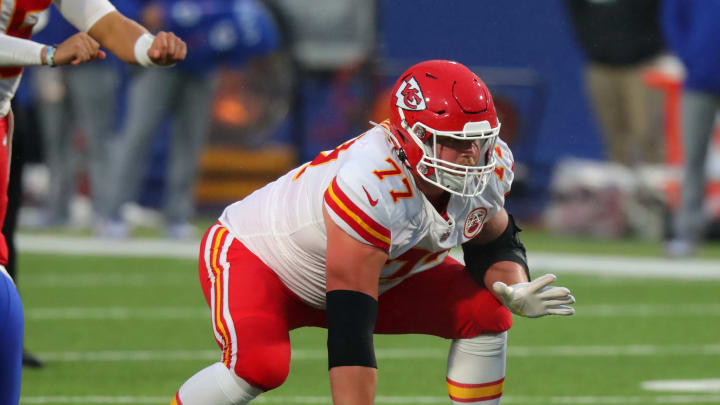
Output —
<point x="357" y="241"/>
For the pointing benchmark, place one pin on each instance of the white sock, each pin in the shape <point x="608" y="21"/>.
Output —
<point x="476" y="369"/>
<point x="216" y="385"/>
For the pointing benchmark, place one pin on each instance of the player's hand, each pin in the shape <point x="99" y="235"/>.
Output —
<point x="167" y="49"/>
<point x="77" y="49"/>
<point x="536" y="298"/>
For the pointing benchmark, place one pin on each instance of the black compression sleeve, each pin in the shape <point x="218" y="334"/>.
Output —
<point x="351" y="319"/>
<point x="507" y="247"/>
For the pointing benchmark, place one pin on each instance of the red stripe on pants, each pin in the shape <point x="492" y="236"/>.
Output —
<point x="443" y="301"/>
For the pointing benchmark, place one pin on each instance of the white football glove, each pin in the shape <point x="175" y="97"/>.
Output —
<point x="536" y="298"/>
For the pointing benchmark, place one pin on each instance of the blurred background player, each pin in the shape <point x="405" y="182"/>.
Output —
<point x="621" y="39"/>
<point x="77" y="123"/>
<point x="693" y="33"/>
<point x="221" y="33"/>
<point x="357" y="241"/>
<point x="100" y="25"/>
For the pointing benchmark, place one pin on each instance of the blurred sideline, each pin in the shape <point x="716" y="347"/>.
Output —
<point x="606" y="265"/>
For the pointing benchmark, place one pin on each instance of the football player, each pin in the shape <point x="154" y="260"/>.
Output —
<point x="357" y="242"/>
<point x="100" y="25"/>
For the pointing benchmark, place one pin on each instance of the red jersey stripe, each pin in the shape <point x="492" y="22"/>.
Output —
<point x="366" y="227"/>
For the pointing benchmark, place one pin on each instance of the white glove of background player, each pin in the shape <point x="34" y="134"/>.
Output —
<point x="536" y="298"/>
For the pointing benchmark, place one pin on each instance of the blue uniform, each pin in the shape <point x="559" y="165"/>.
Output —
<point x="222" y="32"/>
<point x="693" y="32"/>
<point x="11" y="340"/>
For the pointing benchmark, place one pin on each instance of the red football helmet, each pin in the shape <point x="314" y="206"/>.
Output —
<point x="440" y="98"/>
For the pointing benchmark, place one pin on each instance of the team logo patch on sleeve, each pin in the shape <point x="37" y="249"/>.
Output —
<point x="409" y="95"/>
<point x="474" y="222"/>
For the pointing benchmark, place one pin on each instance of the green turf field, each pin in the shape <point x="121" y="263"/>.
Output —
<point x="119" y="330"/>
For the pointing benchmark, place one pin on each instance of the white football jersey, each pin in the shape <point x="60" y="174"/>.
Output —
<point x="372" y="196"/>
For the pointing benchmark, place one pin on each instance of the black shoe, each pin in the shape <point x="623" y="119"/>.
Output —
<point x="31" y="361"/>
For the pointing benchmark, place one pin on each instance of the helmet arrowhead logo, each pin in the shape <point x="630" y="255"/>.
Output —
<point x="409" y="95"/>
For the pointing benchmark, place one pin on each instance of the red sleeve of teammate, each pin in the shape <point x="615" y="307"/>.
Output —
<point x="353" y="219"/>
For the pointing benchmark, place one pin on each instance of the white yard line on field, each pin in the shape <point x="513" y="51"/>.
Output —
<point x="202" y="312"/>
<point x="117" y="313"/>
<point x="694" y="269"/>
<point x="700" y="385"/>
<point x="700" y="269"/>
<point x="135" y="247"/>
<point x="395" y="354"/>
<point x="381" y="399"/>
<point x="94" y="278"/>
<point x="643" y="310"/>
